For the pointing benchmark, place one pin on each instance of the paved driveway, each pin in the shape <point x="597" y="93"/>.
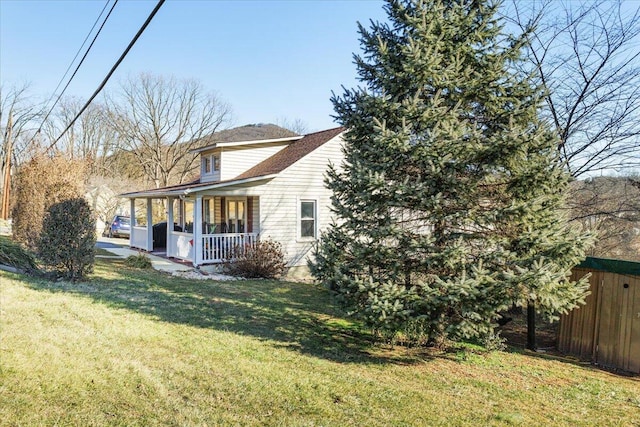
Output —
<point x="111" y="243"/>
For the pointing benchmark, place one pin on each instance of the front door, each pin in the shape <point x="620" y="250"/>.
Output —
<point x="236" y="216"/>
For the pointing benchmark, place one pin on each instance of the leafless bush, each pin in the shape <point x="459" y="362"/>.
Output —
<point x="263" y="259"/>
<point x="39" y="184"/>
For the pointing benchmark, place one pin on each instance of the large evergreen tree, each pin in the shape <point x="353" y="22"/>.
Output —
<point x="449" y="202"/>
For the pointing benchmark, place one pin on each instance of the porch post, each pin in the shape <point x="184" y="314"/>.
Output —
<point x="132" y="218"/>
<point x="149" y="225"/>
<point x="169" y="225"/>
<point x="132" y="211"/>
<point x="197" y="231"/>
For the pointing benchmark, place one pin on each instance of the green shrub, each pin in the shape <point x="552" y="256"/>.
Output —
<point x="263" y="259"/>
<point x="14" y="255"/>
<point x="494" y="342"/>
<point x="141" y="261"/>
<point x="67" y="241"/>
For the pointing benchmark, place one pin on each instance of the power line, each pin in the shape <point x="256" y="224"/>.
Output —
<point x="81" y="61"/>
<point x="113" y="69"/>
<point x="78" y="52"/>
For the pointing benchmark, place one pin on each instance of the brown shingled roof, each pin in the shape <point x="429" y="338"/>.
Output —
<point x="272" y="165"/>
<point x="291" y="154"/>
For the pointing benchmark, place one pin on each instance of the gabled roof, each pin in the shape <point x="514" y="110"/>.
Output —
<point x="266" y="169"/>
<point x="291" y="154"/>
<point x="245" y="143"/>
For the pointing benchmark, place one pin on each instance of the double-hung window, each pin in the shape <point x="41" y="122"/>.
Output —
<point x="308" y="219"/>
<point x="210" y="163"/>
<point x="236" y="216"/>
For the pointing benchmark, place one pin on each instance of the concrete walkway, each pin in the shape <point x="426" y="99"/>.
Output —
<point x="119" y="248"/>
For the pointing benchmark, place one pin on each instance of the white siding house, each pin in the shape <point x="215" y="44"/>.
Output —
<point x="247" y="190"/>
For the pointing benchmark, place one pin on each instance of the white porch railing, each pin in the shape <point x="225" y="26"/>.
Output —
<point x="180" y="245"/>
<point x="138" y="238"/>
<point x="221" y="247"/>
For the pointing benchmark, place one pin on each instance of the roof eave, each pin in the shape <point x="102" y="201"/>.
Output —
<point x="231" y="183"/>
<point x="187" y="191"/>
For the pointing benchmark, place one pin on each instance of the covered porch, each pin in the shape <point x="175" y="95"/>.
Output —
<point x="207" y="229"/>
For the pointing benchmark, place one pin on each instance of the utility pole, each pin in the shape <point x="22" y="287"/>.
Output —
<point x="6" y="183"/>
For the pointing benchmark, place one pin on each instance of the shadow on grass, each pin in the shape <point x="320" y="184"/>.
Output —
<point x="557" y="356"/>
<point x="515" y="333"/>
<point x="300" y="317"/>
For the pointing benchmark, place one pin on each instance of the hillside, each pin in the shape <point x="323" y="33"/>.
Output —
<point x="609" y="206"/>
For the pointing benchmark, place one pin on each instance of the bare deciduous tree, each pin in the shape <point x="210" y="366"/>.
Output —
<point x="17" y="103"/>
<point x="90" y="139"/>
<point x="296" y="125"/>
<point x="588" y="56"/>
<point x="102" y="193"/>
<point x="609" y="206"/>
<point x="160" y="120"/>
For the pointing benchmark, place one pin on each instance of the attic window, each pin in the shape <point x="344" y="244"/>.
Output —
<point x="210" y="163"/>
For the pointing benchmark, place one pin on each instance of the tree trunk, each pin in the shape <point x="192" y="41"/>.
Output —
<point x="531" y="326"/>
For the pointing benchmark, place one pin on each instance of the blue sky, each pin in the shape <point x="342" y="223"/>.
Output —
<point x="270" y="60"/>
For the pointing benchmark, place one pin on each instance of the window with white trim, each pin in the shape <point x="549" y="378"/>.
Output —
<point x="210" y="163"/>
<point x="236" y="215"/>
<point x="308" y="219"/>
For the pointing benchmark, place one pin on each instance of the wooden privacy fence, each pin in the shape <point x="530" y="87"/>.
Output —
<point x="606" y="330"/>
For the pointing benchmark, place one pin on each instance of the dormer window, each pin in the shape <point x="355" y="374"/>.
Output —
<point x="210" y="163"/>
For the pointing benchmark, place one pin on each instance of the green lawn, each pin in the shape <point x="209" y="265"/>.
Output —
<point x="143" y="348"/>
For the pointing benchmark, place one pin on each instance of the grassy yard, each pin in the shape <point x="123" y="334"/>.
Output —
<point x="142" y="348"/>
